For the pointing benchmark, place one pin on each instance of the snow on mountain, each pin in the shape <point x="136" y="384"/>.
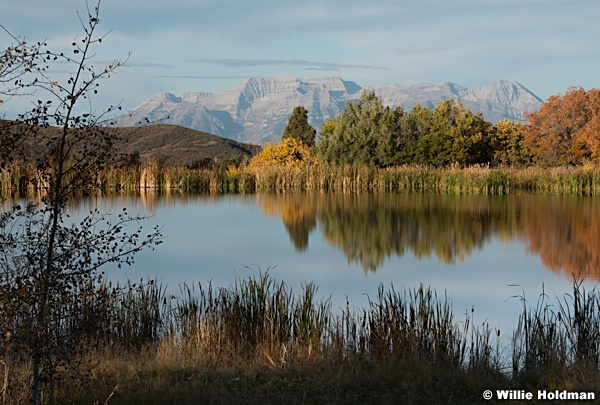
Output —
<point x="257" y="111"/>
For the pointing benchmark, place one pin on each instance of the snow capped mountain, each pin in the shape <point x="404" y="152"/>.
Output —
<point x="424" y="93"/>
<point x="257" y="111"/>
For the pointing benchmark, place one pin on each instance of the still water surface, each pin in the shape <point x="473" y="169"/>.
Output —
<point x="480" y="251"/>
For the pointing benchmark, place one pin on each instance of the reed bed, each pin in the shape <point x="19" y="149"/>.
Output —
<point x="258" y="325"/>
<point x="419" y="179"/>
<point x="22" y="180"/>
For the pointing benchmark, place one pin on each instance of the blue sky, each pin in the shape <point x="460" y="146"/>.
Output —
<point x="213" y="45"/>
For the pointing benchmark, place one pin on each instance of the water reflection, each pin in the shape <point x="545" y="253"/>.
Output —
<point x="565" y="233"/>
<point x="368" y="228"/>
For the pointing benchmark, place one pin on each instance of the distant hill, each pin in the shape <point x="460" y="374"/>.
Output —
<point x="170" y="144"/>
<point x="178" y="145"/>
<point x="257" y="110"/>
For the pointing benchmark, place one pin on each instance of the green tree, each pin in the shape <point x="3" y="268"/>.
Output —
<point x="456" y="136"/>
<point x="508" y="145"/>
<point x="298" y="127"/>
<point x="363" y="133"/>
<point x="45" y="257"/>
<point x="417" y="125"/>
<point x="368" y="133"/>
<point x="394" y="145"/>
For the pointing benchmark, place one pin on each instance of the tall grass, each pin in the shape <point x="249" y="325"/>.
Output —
<point x="22" y="180"/>
<point x="260" y="319"/>
<point x="412" y="323"/>
<point x="419" y="179"/>
<point x="552" y="341"/>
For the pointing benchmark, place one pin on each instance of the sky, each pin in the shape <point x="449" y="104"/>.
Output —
<point x="181" y="46"/>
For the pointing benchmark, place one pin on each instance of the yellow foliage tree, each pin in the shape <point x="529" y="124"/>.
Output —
<point x="290" y="154"/>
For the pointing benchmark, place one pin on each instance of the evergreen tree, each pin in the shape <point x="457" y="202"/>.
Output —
<point x="299" y="128"/>
<point x="362" y="133"/>
<point x="367" y="132"/>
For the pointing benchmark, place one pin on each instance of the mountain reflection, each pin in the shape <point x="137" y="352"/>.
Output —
<point x="368" y="228"/>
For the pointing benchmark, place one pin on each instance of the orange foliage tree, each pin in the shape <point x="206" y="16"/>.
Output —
<point x="565" y="129"/>
<point x="590" y="132"/>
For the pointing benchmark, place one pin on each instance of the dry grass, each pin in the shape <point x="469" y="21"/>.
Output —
<point x="148" y="379"/>
<point x="257" y="342"/>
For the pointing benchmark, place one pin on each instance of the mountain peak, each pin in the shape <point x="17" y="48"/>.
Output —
<point x="257" y="110"/>
<point x="508" y="98"/>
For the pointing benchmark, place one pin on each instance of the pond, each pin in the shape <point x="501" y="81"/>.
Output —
<point x="483" y="252"/>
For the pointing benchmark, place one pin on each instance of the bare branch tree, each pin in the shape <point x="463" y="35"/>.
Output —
<point x="43" y="255"/>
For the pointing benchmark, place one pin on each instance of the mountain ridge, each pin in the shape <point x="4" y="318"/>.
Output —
<point x="257" y="110"/>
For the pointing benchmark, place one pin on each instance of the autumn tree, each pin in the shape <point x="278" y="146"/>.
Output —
<point x="46" y="257"/>
<point x="565" y="129"/>
<point x="17" y="60"/>
<point x="590" y="132"/>
<point x="299" y="128"/>
<point x="291" y="154"/>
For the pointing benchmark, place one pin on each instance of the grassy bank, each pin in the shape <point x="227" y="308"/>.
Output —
<point x="257" y="341"/>
<point x="22" y="180"/>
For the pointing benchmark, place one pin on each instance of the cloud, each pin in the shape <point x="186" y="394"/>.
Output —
<point x="309" y="65"/>
<point x="141" y="64"/>
<point x="202" y="77"/>
<point x="467" y="41"/>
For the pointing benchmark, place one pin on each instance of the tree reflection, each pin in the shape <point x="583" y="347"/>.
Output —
<point x="298" y="212"/>
<point x="368" y="228"/>
<point x="565" y="233"/>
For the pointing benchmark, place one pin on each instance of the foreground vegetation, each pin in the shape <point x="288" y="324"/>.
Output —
<point x="256" y="341"/>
